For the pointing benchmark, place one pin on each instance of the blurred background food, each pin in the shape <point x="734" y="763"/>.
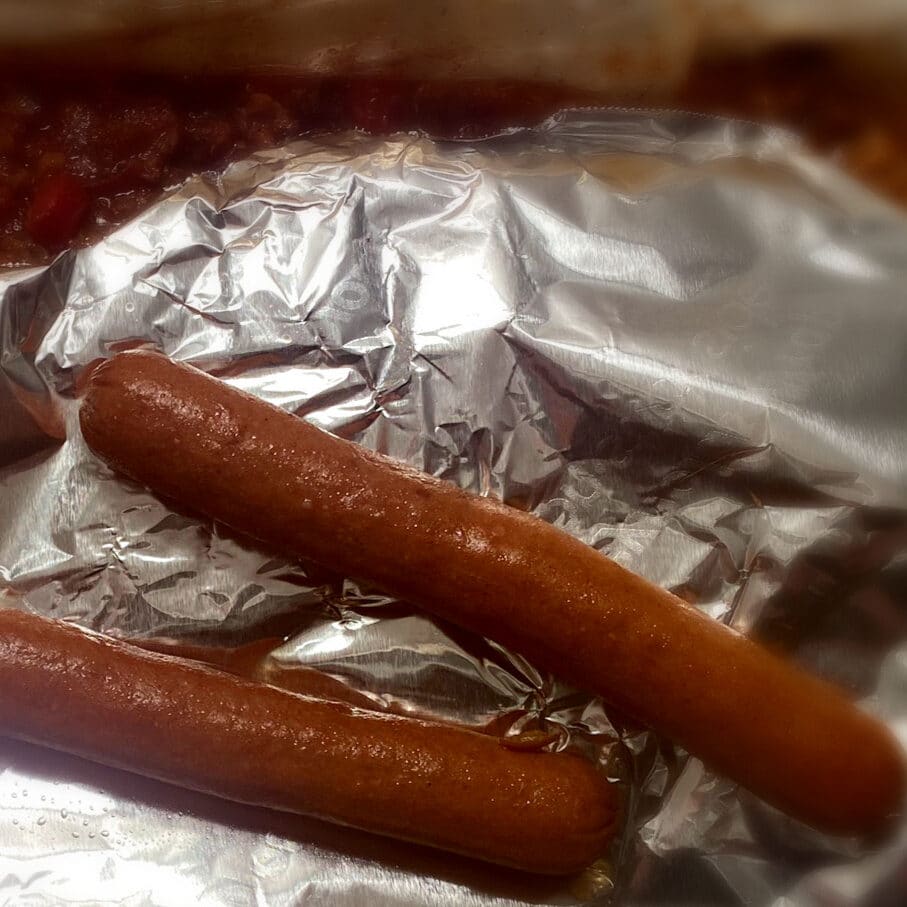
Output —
<point x="105" y="106"/>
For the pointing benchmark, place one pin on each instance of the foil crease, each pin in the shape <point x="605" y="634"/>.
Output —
<point x="683" y="340"/>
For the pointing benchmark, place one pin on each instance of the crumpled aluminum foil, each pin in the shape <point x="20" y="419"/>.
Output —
<point x="683" y="340"/>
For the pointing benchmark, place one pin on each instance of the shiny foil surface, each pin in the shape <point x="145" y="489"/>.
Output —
<point x="683" y="340"/>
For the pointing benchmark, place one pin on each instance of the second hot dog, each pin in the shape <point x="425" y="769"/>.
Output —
<point x="199" y="728"/>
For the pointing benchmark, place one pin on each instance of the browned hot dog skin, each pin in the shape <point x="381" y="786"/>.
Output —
<point x="791" y="739"/>
<point x="184" y="723"/>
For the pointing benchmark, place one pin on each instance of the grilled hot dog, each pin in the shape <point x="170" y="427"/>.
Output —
<point x="790" y="738"/>
<point x="191" y="725"/>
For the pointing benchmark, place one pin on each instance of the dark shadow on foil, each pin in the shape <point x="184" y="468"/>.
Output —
<point x="681" y="879"/>
<point x="671" y="455"/>
<point x="23" y="443"/>
<point x="32" y="452"/>
<point x="412" y="859"/>
<point x="842" y="605"/>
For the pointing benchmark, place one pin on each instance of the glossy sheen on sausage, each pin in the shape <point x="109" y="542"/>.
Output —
<point x="791" y="739"/>
<point x="184" y="723"/>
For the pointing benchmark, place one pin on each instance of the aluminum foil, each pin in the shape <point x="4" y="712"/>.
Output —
<point x="683" y="340"/>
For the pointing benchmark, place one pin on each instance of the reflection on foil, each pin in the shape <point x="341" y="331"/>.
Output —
<point x="682" y="340"/>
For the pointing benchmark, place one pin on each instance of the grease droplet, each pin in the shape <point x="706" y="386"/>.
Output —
<point x="41" y="820"/>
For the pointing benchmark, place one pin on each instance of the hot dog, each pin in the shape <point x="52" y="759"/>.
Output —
<point x="790" y="738"/>
<point x="191" y="725"/>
